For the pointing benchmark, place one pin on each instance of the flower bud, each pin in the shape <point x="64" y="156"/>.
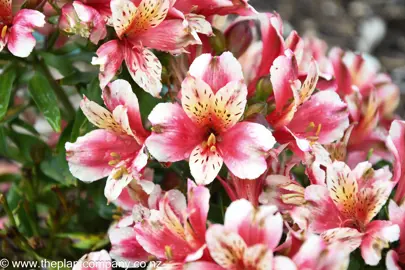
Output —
<point x="239" y="37"/>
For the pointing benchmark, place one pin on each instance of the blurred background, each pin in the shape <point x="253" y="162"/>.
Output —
<point x="372" y="26"/>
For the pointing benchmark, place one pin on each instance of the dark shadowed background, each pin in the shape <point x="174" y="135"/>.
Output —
<point x="373" y="26"/>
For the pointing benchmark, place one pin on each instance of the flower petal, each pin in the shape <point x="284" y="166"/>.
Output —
<point x="125" y="247"/>
<point x="150" y="14"/>
<point x="174" y="135"/>
<point x="244" y="149"/>
<point x="228" y="105"/>
<point x="123" y="15"/>
<point x="350" y="237"/>
<point x="205" y="164"/>
<point x="145" y="68"/>
<point x="226" y="248"/>
<point x="396" y="144"/>
<point x="90" y="155"/>
<point x="216" y="71"/>
<point x="100" y="260"/>
<point x="21" y="42"/>
<point x="120" y="92"/>
<point x="196" y="99"/>
<point x="109" y="58"/>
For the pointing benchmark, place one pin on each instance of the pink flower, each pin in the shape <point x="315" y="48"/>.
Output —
<point x="343" y="209"/>
<point x="141" y="27"/>
<point x="116" y="148"/>
<point x="16" y="31"/>
<point x="248" y="238"/>
<point x="175" y="230"/>
<point x="396" y="257"/>
<point x="396" y="144"/>
<point x="205" y="128"/>
<point x="77" y="18"/>
<point x="99" y="260"/>
<point x="212" y="7"/>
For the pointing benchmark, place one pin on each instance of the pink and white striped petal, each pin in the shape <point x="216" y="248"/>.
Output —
<point x="21" y="42"/>
<point x="123" y="15"/>
<point x="244" y="149"/>
<point x="174" y="135"/>
<point x="217" y="71"/>
<point x="109" y="57"/>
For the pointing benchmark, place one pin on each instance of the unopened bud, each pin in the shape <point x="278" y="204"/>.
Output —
<point x="239" y="37"/>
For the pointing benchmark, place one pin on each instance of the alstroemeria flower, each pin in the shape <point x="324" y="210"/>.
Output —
<point x="396" y="144"/>
<point x="77" y="18"/>
<point x="343" y="209"/>
<point x="396" y="257"/>
<point x="99" y="260"/>
<point x="205" y="127"/>
<point x="175" y="230"/>
<point x="213" y="7"/>
<point x="116" y="148"/>
<point x="248" y="238"/>
<point x="16" y="30"/>
<point x="139" y="28"/>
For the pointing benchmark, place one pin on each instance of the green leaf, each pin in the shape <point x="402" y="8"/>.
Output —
<point x="82" y="240"/>
<point x="60" y="62"/>
<point x="45" y="98"/>
<point x="6" y="85"/>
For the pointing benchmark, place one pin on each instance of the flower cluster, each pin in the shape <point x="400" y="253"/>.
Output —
<point x="282" y="153"/>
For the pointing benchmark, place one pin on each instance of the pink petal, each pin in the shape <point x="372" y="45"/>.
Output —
<point x="392" y="261"/>
<point x="283" y="263"/>
<point x="379" y="234"/>
<point x="110" y="57"/>
<point x="217" y="71"/>
<point x="21" y="42"/>
<point x="211" y="7"/>
<point x="349" y="237"/>
<point x="255" y="226"/>
<point x="90" y="15"/>
<point x="342" y="74"/>
<point x="396" y="144"/>
<point x="120" y="92"/>
<point x="197" y="99"/>
<point x="258" y="257"/>
<point x="244" y="149"/>
<point x="226" y="248"/>
<point x="174" y="135"/>
<point x="205" y="164"/>
<point x="169" y="36"/>
<point x="145" y="69"/>
<point x="197" y="209"/>
<point x="283" y="71"/>
<point x="99" y="260"/>
<point x="150" y="13"/>
<point x="90" y="155"/>
<point x="323" y="118"/>
<point x="6" y="9"/>
<point x="125" y="247"/>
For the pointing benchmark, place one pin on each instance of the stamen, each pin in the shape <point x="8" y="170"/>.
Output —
<point x="157" y="129"/>
<point x="113" y="162"/>
<point x="4" y="31"/>
<point x="168" y="253"/>
<point x="213" y="148"/>
<point x="211" y="140"/>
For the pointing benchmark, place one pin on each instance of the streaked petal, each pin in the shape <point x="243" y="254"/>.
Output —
<point x="125" y="247"/>
<point x="205" y="164"/>
<point x="123" y="14"/>
<point x="244" y="149"/>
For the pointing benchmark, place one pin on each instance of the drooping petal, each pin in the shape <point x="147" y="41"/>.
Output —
<point x="216" y="71"/>
<point x="125" y="247"/>
<point x="392" y="261"/>
<point x="205" y="164"/>
<point x="89" y="157"/>
<point x="396" y="144"/>
<point x="171" y="36"/>
<point x="379" y="234"/>
<point x="323" y="118"/>
<point x="350" y="237"/>
<point x="197" y="99"/>
<point x="226" y="248"/>
<point x="342" y="74"/>
<point x="228" y="105"/>
<point x="110" y="57"/>
<point x="123" y="15"/>
<point x="145" y="68"/>
<point x="244" y="149"/>
<point x="174" y="135"/>
<point x="21" y="42"/>
<point x="99" y="260"/>
<point x="120" y="92"/>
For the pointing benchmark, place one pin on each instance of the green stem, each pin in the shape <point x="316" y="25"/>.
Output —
<point x="60" y="93"/>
